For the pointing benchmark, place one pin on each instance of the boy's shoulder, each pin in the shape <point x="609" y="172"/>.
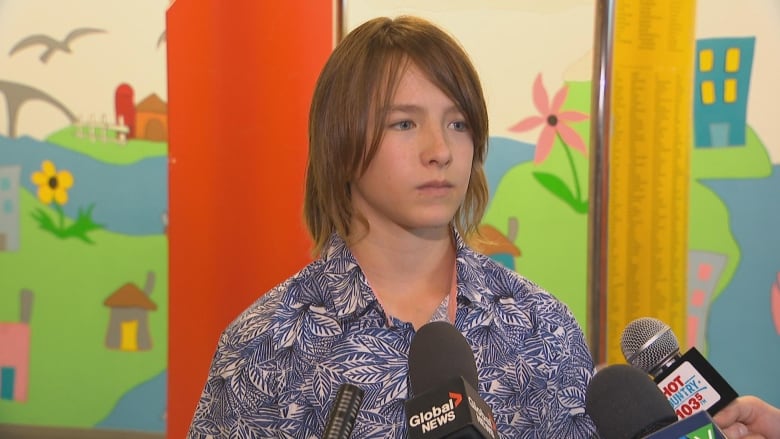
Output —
<point x="503" y="285"/>
<point x="264" y="314"/>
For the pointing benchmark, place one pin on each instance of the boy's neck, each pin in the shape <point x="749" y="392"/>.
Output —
<point x="405" y="254"/>
<point x="410" y="275"/>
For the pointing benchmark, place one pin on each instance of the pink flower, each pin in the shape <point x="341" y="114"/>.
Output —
<point x="554" y="119"/>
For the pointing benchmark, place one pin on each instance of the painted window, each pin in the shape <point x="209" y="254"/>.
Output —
<point x="707" y="92"/>
<point x="730" y="90"/>
<point x="705" y="60"/>
<point x="732" y="60"/>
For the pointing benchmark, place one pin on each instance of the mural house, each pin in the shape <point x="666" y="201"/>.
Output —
<point x="128" y="326"/>
<point x="15" y="352"/>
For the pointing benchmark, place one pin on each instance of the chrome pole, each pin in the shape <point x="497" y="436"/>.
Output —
<point x="599" y="179"/>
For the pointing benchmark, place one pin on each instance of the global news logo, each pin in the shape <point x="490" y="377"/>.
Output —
<point x="437" y="415"/>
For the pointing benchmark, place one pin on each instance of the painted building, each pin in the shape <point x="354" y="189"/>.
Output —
<point x="705" y="270"/>
<point x="15" y="352"/>
<point x="152" y="119"/>
<point x="128" y="325"/>
<point x="125" y="108"/>
<point x="722" y="82"/>
<point x="499" y="247"/>
<point x="9" y="207"/>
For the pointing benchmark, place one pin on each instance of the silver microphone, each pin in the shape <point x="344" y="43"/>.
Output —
<point x="650" y="345"/>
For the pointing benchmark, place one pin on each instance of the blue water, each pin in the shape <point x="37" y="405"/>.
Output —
<point x="142" y="408"/>
<point x="744" y="344"/>
<point x="503" y="155"/>
<point x="130" y="199"/>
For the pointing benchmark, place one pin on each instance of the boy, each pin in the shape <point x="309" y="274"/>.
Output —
<point x="397" y="140"/>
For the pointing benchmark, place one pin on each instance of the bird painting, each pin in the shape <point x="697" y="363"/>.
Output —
<point x="52" y="45"/>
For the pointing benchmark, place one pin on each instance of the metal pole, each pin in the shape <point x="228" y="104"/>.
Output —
<point x="599" y="179"/>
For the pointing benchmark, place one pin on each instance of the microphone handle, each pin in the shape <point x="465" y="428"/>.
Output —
<point x="344" y="412"/>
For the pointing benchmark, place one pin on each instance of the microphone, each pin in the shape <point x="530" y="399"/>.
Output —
<point x="624" y="403"/>
<point x="443" y="379"/>
<point x="689" y="381"/>
<point x="344" y="412"/>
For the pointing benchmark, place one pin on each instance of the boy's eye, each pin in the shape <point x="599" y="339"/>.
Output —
<point x="404" y="125"/>
<point x="459" y="125"/>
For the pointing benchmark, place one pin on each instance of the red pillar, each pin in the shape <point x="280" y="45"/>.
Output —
<point x="240" y="79"/>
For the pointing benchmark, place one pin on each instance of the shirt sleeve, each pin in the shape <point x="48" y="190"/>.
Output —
<point x="237" y="400"/>
<point x="217" y="411"/>
<point x="573" y="371"/>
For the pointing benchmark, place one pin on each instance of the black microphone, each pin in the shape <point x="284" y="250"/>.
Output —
<point x="443" y="379"/>
<point x="344" y="412"/>
<point x="689" y="381"/>
<point x="624" y="403"/>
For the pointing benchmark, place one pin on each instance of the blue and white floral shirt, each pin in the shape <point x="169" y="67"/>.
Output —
<point x="278" y="366"/>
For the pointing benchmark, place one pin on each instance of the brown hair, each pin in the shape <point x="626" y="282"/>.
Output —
<point x="363" y="71"/>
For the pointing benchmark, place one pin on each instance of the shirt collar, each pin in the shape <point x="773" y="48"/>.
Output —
<point x="352" y="294"/>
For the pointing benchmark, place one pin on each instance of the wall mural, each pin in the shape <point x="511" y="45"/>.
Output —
<point x="83" y="215"/>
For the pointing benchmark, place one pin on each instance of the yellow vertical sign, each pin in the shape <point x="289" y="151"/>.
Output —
<point x="649" y="156"/>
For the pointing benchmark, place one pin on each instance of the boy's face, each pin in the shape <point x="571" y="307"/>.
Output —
<point x="419" y="175"/>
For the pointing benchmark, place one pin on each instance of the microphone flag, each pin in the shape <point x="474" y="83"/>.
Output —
<point x="452" y="409"/>
<point x="693" y="385"/>
<point x="697" y="426"/>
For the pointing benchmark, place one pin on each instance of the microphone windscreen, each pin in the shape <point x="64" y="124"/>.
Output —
<point x="648" y="343"/>
<point x="439" y="352"/>
<point x="625" y="403"/>
<point x="344" y="412"/>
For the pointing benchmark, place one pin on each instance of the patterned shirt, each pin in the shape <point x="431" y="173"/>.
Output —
<point x="278" y="366"/>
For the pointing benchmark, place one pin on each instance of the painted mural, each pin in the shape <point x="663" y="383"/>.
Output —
<point x="83" y="189"/>
<point x="538" y="88"/>
<point x="83" y="215"/>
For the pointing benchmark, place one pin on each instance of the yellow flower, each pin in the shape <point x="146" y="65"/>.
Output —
<point x="52" y="185"/>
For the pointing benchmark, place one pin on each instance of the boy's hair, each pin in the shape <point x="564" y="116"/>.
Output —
<point x="360" y="78"/>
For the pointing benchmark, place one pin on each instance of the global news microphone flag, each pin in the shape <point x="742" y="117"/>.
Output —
<point x="443" y="381"/>
<point x="451" y="410"/>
